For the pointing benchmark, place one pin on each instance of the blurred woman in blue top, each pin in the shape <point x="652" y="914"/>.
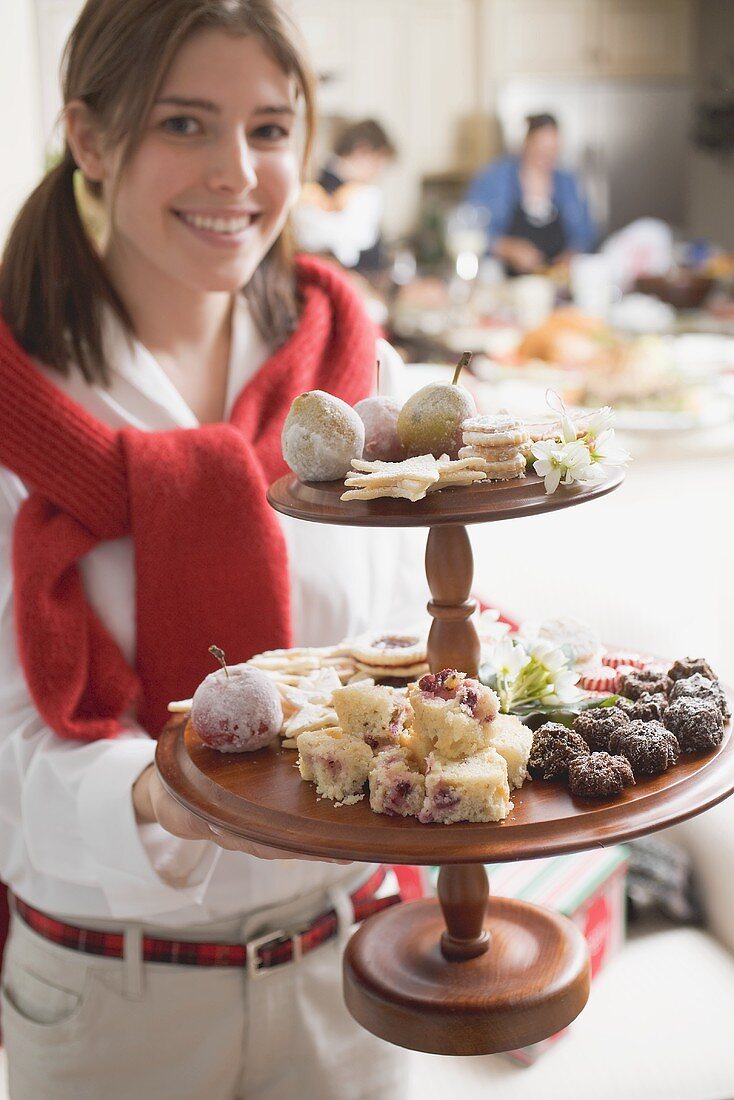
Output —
<point x="538" y="214"/>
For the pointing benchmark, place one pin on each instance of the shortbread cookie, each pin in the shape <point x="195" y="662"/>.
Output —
<point x="454" y="472"/>
<point x="474" y="788"/>
<point x="505" y="471"/>
<point x="285" y="664"/>
<point x="394" y="672"/>
<point x="384" y="650"/>
<point x="405" y="491"/>
<point x="312" y="716"/>
<point x="452" y="713"/>
<point x="408" y="479"/>
<point x="338" y="765"/>
<point x="494" y="431"/>
<point x="372" y="713"/>
<point x="397" y="787"/>
<point x="475" y="447"/>
<point x="180" y="706"/>
<point x="513" y="741"/>
<point x="496" y="471"/>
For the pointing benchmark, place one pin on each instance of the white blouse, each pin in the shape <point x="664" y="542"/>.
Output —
<point x="69" y="842"/>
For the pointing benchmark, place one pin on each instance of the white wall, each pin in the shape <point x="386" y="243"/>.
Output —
<point x="21" y="151"/>
<point x="711" y="208"/>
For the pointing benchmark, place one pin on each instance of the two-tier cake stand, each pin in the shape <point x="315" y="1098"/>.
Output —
<point x="467" y="973"/>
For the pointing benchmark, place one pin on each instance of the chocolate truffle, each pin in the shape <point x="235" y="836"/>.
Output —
<point x="686" y="667"/>
<point x="696" y="723"/>
<point x="599" y="775"/>
<point x="649" y="707"/>
<point x="637" y="681"/>
<point x="597" y="724"/>
<point x="554" y="747"/>
<point x="649" y="747"/>
<point x="701" y="687"/>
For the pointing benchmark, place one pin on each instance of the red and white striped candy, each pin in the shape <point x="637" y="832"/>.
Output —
<point x="598" y="679"/>
<point x="623" y="657"/>
<point x="620" y="672"/>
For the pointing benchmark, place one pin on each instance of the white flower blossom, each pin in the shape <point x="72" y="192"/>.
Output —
<point x="606" y="454"/>
<point x="598" y="422"/>
<point x="538" y="675"/>
<point x="556" y="462"/>
<point x="509" y="658"/>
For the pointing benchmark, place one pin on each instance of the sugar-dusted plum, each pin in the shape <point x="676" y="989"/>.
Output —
<point x="380" y="418"/>
<point x="236" y="709"/>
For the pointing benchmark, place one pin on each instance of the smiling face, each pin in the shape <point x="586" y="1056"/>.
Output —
<point x="209" y="188"/>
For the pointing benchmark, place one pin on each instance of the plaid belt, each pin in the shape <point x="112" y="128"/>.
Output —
<point x="259" y="954"/>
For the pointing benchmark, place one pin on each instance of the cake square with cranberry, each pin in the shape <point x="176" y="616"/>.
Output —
<point x="370" y="712"/>
<point x="337" y="764"/>
<point x="452" y="713"/>
<point x="513" y="741"/>
<point x="473" y="789"/>
<point x="397" y="787"/>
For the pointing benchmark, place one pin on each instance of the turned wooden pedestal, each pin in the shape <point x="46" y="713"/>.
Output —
<point x="459" y="976"/>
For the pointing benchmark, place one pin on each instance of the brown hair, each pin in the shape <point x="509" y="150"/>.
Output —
<point x="367" y="132"/>
<point x="53" y="284"/>
<point x="539" y="122"/>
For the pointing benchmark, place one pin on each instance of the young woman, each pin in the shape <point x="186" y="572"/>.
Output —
<point x="149" y="353"/>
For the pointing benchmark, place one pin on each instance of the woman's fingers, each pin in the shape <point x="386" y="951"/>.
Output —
<point x="176" y="819"/>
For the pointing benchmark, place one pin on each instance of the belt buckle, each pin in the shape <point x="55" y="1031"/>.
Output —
<point x="255" y="966"/>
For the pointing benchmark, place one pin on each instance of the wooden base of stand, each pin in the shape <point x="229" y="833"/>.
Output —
<point x="531" y="982"/>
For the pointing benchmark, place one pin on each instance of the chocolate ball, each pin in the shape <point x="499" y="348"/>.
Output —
<point x="698" y="686"/>
<point x="650" y="748"/>
<point x="687" y="666"/>
<point x="696" y="723"/>
<point x="637" y="681"/>
<point x="650" y="707"/>
<point x="554" y="747"/>
<point x="599" y="775"/>
<point x="597" y="724"/>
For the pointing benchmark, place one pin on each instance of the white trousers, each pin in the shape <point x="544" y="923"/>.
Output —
<point x="83" y="1027"/>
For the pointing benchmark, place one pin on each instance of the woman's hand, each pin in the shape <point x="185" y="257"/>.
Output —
<point x="522" y="254"/>
<point x="152" y="802"/>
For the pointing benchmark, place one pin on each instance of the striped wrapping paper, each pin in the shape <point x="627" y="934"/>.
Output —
<point x="588" y="888"/>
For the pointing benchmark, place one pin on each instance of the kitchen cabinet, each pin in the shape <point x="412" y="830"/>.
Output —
<point x="412" y="66"/>
<point x="542" y="37"/>
<point x="587" y="38"/>
<point x="649" y="38"/>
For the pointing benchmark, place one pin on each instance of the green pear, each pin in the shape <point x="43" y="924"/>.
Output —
<point x="430" y="420"/>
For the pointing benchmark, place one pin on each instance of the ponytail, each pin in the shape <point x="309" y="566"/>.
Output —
<point x="53" y="283"/>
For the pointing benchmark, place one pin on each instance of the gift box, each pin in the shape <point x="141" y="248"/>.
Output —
<point x="588" y="888"/>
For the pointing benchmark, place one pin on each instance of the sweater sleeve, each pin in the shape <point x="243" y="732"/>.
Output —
<point x="66" y="807"/>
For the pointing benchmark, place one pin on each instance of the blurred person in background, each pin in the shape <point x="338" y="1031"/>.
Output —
<point x="538" y="213"/>
<point x="341" y="213"/>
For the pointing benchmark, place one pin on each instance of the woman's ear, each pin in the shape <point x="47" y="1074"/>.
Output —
<point x="85" y="140"/>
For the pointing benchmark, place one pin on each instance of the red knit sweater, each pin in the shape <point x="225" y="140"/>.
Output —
<point x="210" y="558"/>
